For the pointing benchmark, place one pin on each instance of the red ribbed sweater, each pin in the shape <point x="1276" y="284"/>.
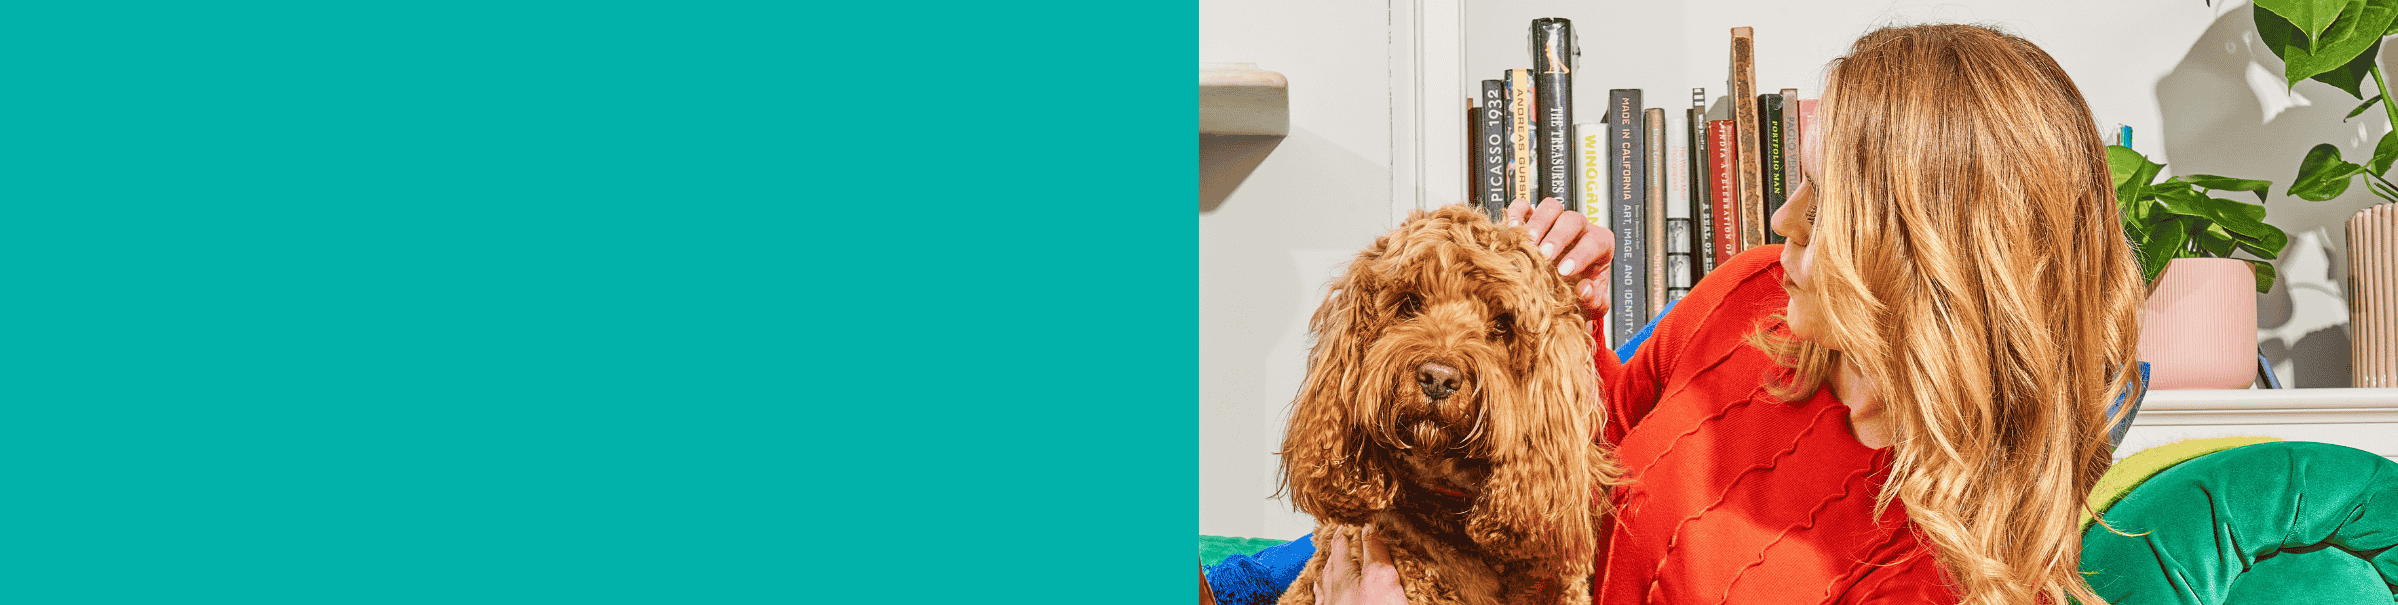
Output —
<point x="1736" y="496"/>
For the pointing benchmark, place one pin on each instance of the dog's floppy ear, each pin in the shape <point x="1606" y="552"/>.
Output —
<point x="1546" y="470"/>
<point x="1329" y="462"/>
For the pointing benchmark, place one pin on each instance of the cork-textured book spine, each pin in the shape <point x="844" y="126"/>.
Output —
<point x="1750" y="177"/>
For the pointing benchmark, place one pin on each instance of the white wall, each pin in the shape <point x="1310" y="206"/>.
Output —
<point x="1277" y="218"/>
<point x="1267" y="247"/>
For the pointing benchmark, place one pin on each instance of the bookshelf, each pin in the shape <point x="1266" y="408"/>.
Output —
<point x="1240" y="99"/>
<point x="1439" y="49"/>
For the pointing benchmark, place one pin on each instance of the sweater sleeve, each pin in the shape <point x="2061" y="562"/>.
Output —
<point x="1631" y="387"/>
<point x="1628" y="389"/>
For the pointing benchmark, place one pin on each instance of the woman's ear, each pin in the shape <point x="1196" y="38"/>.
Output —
<point x="1329" y="462"/>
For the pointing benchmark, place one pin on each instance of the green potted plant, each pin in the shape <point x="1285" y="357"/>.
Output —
<point x="2338" y="43"/>
<point x="2335" y="42"/>
<point x="2199" y="331"/>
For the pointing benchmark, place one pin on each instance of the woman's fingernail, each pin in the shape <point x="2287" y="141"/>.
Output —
<point x="1566" y="268"/>
<point x="1548" y="249"/>
<point x="1586" y="289"/>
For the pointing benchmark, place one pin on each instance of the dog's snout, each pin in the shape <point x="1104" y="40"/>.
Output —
<point x="1437" y="379"/>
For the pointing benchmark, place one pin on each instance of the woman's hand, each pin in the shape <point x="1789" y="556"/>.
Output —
<point x="1377" y="583"/>
<point x="1580" y="250"/>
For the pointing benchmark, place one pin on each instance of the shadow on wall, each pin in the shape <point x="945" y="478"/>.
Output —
<point x="1225" y="161"/>
<point x="2226" y="111"/>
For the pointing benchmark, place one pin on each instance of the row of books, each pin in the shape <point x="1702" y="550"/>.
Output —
<point x="1682" y="191"/>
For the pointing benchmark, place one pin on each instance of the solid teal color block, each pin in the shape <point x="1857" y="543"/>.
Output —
<point x="590" y="302"/>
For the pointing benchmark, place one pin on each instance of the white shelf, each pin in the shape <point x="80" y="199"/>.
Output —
<point x="2269" y="406"/>
<point x="1239" y="98"/>
<point x="2365" y="419"/>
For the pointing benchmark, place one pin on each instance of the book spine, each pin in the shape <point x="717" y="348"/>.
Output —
<point x="1793" y="115"/>
<point x="1490" y="176"/>
<point x="1726" y="208"/>
<point x="1553" y="62"/>
<point x="1591" y="143"/>
<point x="1702" y="232"/>
<point x="1679" y="258"/>
<point x="1473" y="161"/>
<point x="1522" y="166"/>
<point x="1654" y="130"/>
<point x="1769" y="139"/>
<point x="1806" y="115"/>
<point x="1749" y="176"/>
<point x="1677" y="160"/>
<point x="1627" y="161"/>
<point x="1590" y="181"/>
<point x="1790" y="142"/>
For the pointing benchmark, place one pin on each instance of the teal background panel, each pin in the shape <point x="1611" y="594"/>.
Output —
<point x="590" y="302"/>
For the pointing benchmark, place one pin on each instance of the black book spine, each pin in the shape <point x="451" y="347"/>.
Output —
<point x="1769" y="127"/>
<point x="1553" y="62"/>
<point x="1490" y="152"/>
<point x="1473" y="141"/>
<point x="1702" y="217"/>
<point x="1627" y="160"/>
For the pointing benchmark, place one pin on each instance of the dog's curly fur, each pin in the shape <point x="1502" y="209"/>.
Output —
<point x="1451" y="403"/>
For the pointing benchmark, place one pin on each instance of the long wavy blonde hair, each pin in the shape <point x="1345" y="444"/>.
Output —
<point x="1973" y="268"/>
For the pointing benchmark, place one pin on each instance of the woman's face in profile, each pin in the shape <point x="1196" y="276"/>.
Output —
<point x="1796" y="222"/>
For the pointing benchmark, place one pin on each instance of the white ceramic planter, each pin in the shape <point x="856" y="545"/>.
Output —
<point x="2199" y="331"/>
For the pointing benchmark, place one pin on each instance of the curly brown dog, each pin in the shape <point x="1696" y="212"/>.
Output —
<point x="1450" y="402"/>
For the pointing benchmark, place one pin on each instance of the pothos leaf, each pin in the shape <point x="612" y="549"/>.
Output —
<point x="2350" y="77"/>
<point x="2322" y="175"/>
<point x="2132" y="172"/>
<point x="2167" y="242"/>
<point x="2184" y="202"/>
<point x="2369" y="103"/>
<point x="2385" y="152"/>
<point x="2311" y="17"/>
<point x="2225" y="183"/>
<point x="2305" y="55"/>
<point x="2239" y="217"/>
<point x="2214" y="241"/>
<point x="2253" y="235"/>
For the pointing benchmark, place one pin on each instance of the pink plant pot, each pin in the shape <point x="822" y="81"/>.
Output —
<point x="2199" y="331"/>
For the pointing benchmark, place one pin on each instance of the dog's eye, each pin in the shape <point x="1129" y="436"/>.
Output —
<point x="1410" y="305"/>
<point x="1503" y="326"/>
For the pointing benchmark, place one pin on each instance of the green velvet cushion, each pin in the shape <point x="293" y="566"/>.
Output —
<point x="2264" y="521"/>
<point x="2137" y="468"/>
<point x="1213" y="549"/>
<point x="2309" y="577"/>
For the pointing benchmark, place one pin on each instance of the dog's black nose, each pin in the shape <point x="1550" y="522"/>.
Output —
<point x="1437" y="379"/>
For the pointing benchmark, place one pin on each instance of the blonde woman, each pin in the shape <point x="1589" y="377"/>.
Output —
<point x="1905" y="403"/>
